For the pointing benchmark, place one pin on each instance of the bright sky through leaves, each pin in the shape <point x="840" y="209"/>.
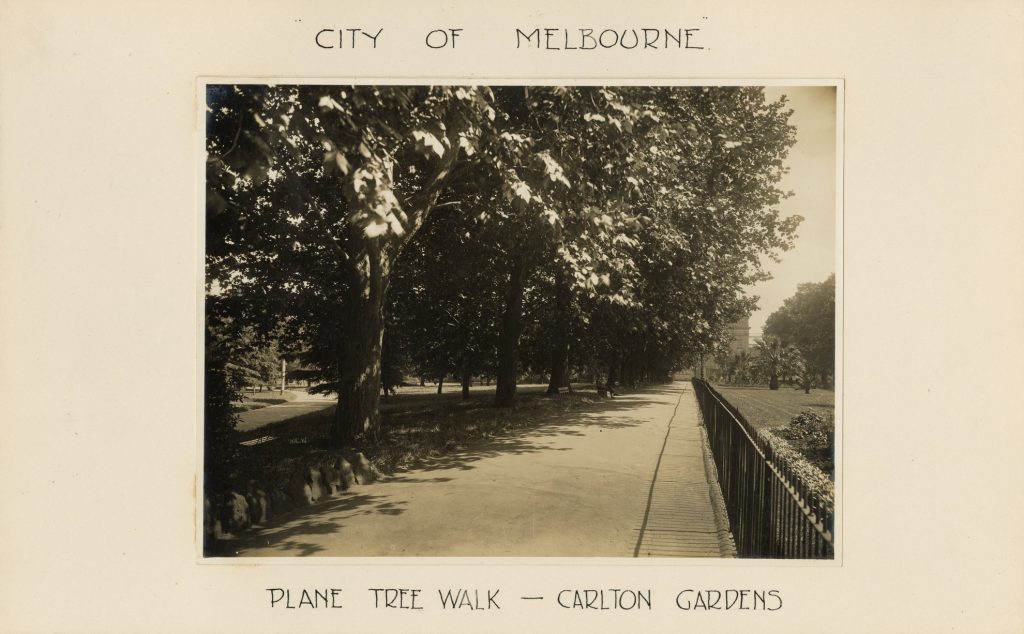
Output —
<point x="812" y="174"/>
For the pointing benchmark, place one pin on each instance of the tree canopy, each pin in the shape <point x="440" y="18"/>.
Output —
<point x="475" y="230"/>
<point x="807" y="320"/>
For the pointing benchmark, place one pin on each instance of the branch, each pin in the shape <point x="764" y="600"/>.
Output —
<point x="234" y="144"/>
<point x="419" y="204"/>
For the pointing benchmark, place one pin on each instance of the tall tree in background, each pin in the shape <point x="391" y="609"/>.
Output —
<point x="446" y="299"/>
<point x="705" y="197"/>
<point x="559" y="213"/>
<point x="778" y="361"/>
<point x="807" y="320"/>
<point x="312" y="192"/>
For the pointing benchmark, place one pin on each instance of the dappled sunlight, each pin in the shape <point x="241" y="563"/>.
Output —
<point x="436" y="445"/>
<point x="412" y="277"/>
<point x="546" y="423"/>
<point x="323" y="518"/>
<point x="600" y="454"/>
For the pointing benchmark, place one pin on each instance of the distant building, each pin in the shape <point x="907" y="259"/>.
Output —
<point x="739" y="331"/>
<point x="739" y="341"/>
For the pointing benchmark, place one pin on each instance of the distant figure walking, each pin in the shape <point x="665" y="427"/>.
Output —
<point x="605" y="391"/>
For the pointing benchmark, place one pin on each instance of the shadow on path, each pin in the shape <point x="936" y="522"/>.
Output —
<point x="544" y="431"/>
<point x="618" y="413"/>
<point x="326" y="517"/>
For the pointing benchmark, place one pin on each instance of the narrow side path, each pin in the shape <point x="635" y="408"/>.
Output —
<point x="682" y="519"/>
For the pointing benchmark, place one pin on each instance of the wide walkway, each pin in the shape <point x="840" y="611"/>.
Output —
<point x="624" y="479"/>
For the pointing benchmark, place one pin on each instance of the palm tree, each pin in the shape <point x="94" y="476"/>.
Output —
<point x="780" y="362"/>
<point x="738" y="367"/>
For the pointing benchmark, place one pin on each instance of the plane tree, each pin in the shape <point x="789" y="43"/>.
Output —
<point x="445" y="300"/>
<point x="705" y="197"/>
<point x="312" y="193"/>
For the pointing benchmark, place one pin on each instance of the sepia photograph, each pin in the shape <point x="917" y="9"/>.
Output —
<point x="525" y="317"/>
<point x="520" y="321"/>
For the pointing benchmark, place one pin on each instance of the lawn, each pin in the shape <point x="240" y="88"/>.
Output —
<point x="251" y="401"/>
<point x="774" y="408"/>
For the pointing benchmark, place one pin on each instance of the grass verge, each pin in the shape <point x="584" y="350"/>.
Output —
<point x="775" y="408"/>
<point x="800" y="427"/>
<point x="262" y="399"/>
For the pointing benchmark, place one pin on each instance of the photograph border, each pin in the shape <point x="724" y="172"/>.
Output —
<point x="839" y="83"/>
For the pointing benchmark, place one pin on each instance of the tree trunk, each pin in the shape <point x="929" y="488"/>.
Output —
<point x="560" y="334"/>
<point x="613" y="372"/>
<point x="362" y="334"/>
<point x="773" y="381"/>
<point x="511" y="328"/>
<point x="368" y="268"/>
<point x="440" y="384"/>
<point x="466" y="376"/>
<point x="559" y="353"/>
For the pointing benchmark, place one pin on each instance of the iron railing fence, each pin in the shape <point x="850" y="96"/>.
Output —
<point x="773" y="513"/>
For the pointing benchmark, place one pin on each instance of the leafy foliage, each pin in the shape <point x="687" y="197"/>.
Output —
<point x="813" y="435"/>
<point x="778" y="362"/>
<point x="741" y="368"/>
<point x="607" y="231"/>
<point x="807" y="321"/>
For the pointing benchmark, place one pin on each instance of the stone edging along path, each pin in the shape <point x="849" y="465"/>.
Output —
<point x="314" y="481"/>
<point x="725" y="539"/>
